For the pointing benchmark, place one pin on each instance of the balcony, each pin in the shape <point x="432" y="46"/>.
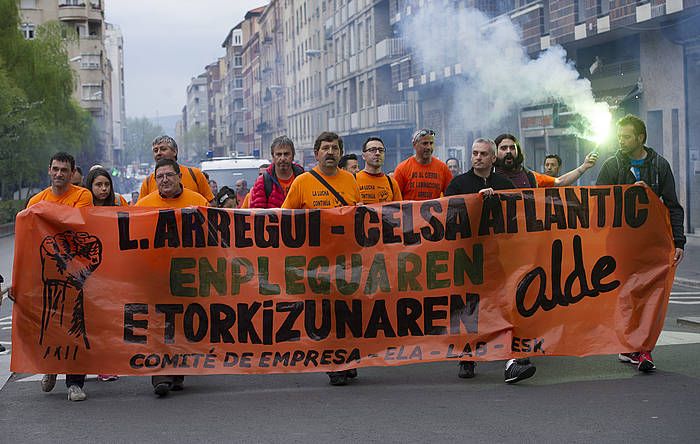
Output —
<point x="390" y="49"/>
<point x="392" y="113"/>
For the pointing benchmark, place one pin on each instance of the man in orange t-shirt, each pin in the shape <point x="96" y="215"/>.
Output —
<point x="375" y="186"/>
<point x="62" y="191"/>
<point x="307" y="191"/>
<point x="170" y="194"/>
<point x="165" y="147"/>
<point x="422" y="176"/>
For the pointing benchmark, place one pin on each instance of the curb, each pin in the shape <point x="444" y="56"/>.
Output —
<point x="693" y="283"/>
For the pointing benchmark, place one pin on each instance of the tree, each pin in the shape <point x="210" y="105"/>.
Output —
<point x="140" y="132"/>
<point x="196" y="143"/>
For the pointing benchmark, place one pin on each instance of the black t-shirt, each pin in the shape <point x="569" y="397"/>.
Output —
<point x="470" y="183"/>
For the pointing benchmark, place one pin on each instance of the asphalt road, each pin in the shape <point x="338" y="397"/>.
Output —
<point x="595" y="399"/>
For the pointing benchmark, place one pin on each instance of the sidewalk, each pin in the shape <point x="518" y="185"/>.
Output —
<point x="688" y="273"/>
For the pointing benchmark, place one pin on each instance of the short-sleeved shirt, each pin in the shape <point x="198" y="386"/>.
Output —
<point x="376" y="188"/>
<point x="308" y="192"/>
<point x="192" y="179"/>
<point x="422" y="182"/>
<point x="75" y="196"/>
<point x="187" y="198"/>
<point x="544" y="181"/>
<point x="246" y="201"/>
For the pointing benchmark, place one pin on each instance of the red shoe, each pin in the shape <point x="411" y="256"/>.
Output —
<point x="645" y="363"/>
<point x="632" y="358"/>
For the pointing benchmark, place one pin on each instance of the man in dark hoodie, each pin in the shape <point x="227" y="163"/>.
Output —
<point x="272" y="186"/>
<point x="636" y="163"/>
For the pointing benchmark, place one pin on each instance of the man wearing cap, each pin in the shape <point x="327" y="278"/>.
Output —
<point x="422" y="176"/>
<point x="165" y="147"/>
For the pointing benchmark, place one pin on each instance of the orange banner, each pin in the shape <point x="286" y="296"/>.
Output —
<point x="560" y="271"/>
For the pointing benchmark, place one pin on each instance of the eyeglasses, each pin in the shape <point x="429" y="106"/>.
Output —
<point x="161" y="177"/>
<point x="374" y="149"/>
<point x="422" y="133"/>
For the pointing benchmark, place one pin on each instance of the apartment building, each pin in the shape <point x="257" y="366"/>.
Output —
<point x="216" y="110"/>
<point x="252" y="86"/>
<point x="272" y="81"/>
<point x="114" y="46"/>
<point x="233" y="90"/>
<point x="87" y="54"/>
<point x="196" y="119"/>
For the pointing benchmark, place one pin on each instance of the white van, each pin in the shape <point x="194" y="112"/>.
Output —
<point x="227" y="170"/>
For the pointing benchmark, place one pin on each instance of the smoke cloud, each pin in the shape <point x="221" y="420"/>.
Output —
<point x="497" y="75"/>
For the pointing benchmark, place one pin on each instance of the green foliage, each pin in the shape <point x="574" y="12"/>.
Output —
<point x="38" y="115"/>
<point x="140" y="132"/>
<point x="9" y="209"/>
<point x="197" y="142"/>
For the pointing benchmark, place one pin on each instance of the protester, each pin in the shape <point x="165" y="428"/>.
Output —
<point x="77" y="178"/>
<point x="552" y="165"/>
<point x="483" y="180"/>
<point x="226" y="198"/>
<point x="165" y="147"/>
<point x="61" y="191"/>
<point x="272" y="186"/>
<point x="349" y="163"/>
<point x="422" y="176"/>
<point x="170" y="194"/>
<point x="100" y="184"/>
<point x="326" y="186"/>
<point x="213" y="186"/>
<point x="637" y="163"/>
<point x="374" y="185"/>
<point x="134" y="197"/>
<point x="453" y="165"/>
<point x="242" y="189"/>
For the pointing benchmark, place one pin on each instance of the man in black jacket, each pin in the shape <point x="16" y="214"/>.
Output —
<point x="636" y="163"/>
<point x="482" y="179"/>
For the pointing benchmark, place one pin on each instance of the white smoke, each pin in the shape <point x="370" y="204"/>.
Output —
<point x="497" y="75"/>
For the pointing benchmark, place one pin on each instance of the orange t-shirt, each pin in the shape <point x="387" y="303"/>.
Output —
<point x="543" y="180"/>
<point x="308" y="192"/>
<point x="246" y="201"/>
<point x="187" y="198"/>
<point x="286" y="184"/>
<point x="376" y="188"/>
<point x="198" y="183"/>
<point x="422" y="182"/>
<point x="75" y="196"/>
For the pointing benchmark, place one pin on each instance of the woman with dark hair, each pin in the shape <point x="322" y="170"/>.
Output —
<point x="99" y="182"/>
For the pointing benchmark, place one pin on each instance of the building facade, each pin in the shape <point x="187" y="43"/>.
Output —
<point x="114" y="45"/>
<point x="272" y="81"/>
<point x="196" y="133"/>
<point x="233" y="90"/>
<point x="252" y="85"/>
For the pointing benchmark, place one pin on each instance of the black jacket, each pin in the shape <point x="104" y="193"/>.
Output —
<point x="470" y="183"/>
<point x="655" y="172"/>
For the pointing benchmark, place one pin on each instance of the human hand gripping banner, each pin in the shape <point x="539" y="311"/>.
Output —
<point x="134" y="291"/>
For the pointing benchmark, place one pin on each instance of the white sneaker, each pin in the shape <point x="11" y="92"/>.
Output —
<point x="75" y="393"/>
<point x="48" y="382"/>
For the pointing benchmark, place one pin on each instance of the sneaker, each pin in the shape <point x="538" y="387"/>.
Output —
<point x="161" y="389"/>
<point x="75" y="393"/>
<point x="466" y="369"/>
<point x="178" y="385"/>
<point x="338" y="378"/>
<point x="107" y="378"/>
<point x="352" y="373"/>
<point x="631" y="358"/>
<point x="645" y="363"/>
<point x="518" y="369"/>
<point x="48" y="382"/>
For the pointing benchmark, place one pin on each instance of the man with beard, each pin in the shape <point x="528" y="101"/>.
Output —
<point x="170" y="194"/>
<point x="375" y="186"/>
<point x="63" y="192"/>
<point x="483" y="180"/>
<point x="510" y="162"/>
<point x="165" y="147"/>
<point x="272" y="186"/>
<point x="453" y="165"/>
<point x="421" y="176"/>
<point x="326" y="186"/>
<point x="636" y="163"/>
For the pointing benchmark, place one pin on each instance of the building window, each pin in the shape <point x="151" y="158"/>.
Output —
<point x="603" y="7"/>
<point x="370" y="92"/>
<point x="28" y="31"/>
<point x="27" y="4"/>
<point x="238" y="82"/>
<point x="90" y="61"/>
<point x="237" y="61"/>
<point x="71" y="3"/>
<point x="92" y="92"/>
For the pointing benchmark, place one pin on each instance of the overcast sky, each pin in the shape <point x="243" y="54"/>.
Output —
<point x="166" y="43"/>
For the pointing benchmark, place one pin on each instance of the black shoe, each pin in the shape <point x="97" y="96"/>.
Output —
<point x="162" y="388"/>
<point x="466" y="369"/>
<point x="352" y="373"/>
<point x="518" y="369"/>
<point x="178" y="384"/>
<point x="338" y="378"/>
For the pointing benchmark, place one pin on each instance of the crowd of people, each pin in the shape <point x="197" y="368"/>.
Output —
<point x="338" y="181"/>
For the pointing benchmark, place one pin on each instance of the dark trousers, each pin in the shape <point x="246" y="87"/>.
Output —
<point x="157" y="379"/>
<point x="78" y="380"/>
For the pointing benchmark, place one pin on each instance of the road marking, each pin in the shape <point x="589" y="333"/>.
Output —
<point x="686" y="297"/>
<point x="6" y="318"/>
<point x="678" y="338"/>
<point x="685" y="292"/>
<point x="7" y="328"/>
<point x="685" y="302"/>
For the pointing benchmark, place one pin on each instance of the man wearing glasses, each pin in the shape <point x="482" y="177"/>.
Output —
<point x="375" y="186"/>
<point x="170" y="194"/>
<point x="421" y="176"/>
